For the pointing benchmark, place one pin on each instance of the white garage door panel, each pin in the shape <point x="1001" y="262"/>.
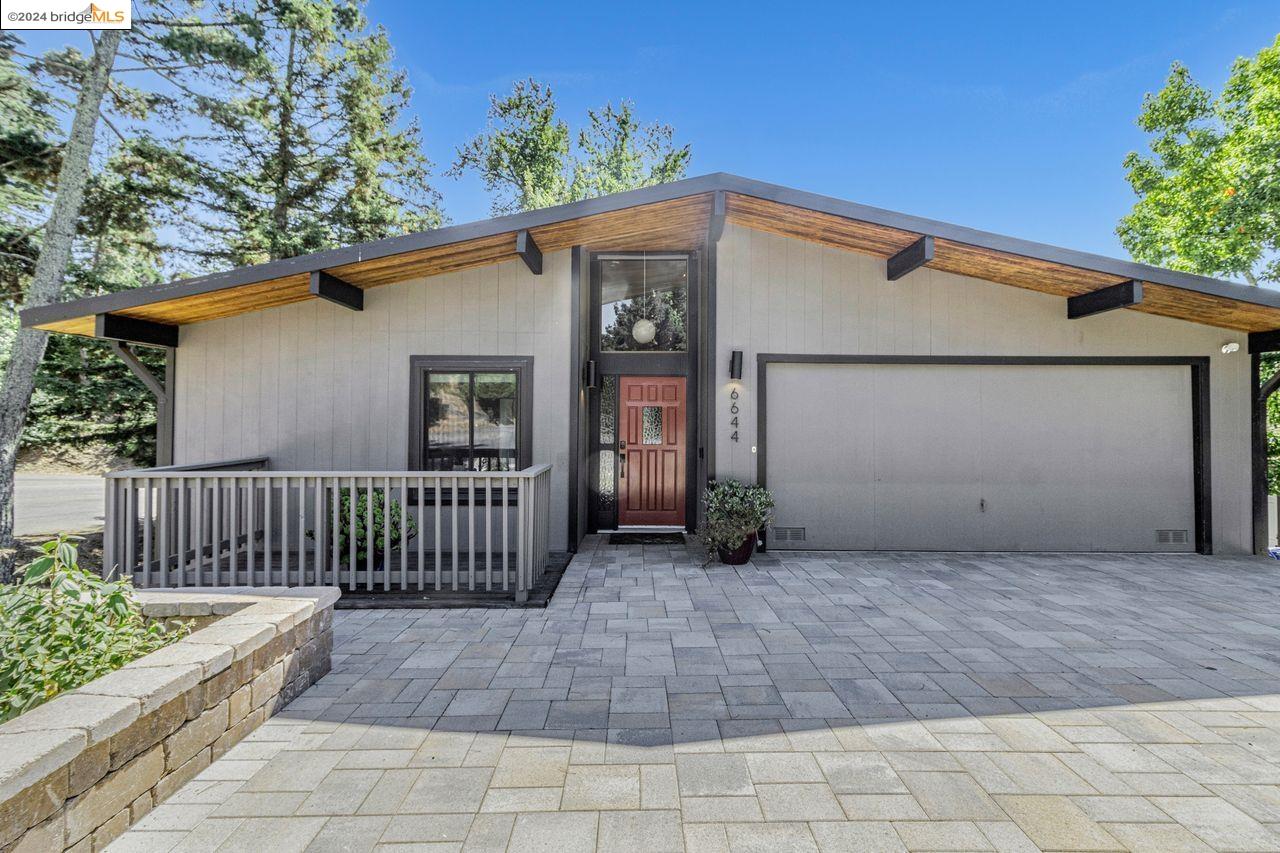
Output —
<point x="981" y="457"/>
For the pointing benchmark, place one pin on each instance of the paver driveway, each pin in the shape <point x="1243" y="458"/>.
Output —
<point x="809" y="702"/>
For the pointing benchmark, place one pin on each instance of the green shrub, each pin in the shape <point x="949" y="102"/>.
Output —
<point x="62" y="626"/>
<point x="363" y="522"/>
<point x="734" y="511"/>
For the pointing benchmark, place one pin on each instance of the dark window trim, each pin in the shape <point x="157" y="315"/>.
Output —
<point x="420" y="365"/>
<point x="686" y="364"/>
<point x="1202" y="497"/>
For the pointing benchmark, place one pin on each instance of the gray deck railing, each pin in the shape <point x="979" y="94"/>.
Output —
<point x="218" y="525"/>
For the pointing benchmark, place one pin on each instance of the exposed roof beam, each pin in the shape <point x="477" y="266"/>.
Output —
<point x="1264" y="341"/>
<point x="1121" y="295"/>
<point x="715" y="225"/>
<point x="529" y="252"/>
<point x="913" y="257"/>
<point x="121" y="328"/>
<point x="330" y="287"/>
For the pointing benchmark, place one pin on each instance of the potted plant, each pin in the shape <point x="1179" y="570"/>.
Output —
<point x="735" y="514"/>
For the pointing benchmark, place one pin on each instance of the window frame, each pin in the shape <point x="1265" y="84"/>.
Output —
<point x="421" y="366"/>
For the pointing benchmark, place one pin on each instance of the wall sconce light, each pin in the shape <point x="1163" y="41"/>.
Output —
<point x="590" y="375"/>
<point x="735" y="364"/>
<point x="1230" y="347"/>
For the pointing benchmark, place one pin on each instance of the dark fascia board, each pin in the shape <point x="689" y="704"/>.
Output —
<point x="1264" y="341"/>
<point x="133" y="330"/>
<point x="1122" y="295"/>
<point x="715" y="182"/>
<point x="528" y="251"/>
<point x="911" y="258"/>
<point x="715" y="226"/>
<point x="337" y="291"/>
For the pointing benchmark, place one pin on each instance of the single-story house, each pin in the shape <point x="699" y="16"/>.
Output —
<point x="899" y="383"/>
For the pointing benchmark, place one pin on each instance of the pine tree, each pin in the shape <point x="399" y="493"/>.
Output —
<point x="526" y="162"/>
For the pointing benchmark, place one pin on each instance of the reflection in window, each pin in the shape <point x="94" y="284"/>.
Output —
<point x="651" y="425"/>
<point x="644" y="304"/>
<point x="471" y="421"/>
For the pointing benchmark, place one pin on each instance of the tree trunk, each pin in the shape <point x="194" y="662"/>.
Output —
<point x="46" y="282"/>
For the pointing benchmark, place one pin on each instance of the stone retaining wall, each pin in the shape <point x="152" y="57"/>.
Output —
<point x="80" y="769"/>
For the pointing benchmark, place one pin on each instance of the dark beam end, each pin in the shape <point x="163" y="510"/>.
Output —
<point x="529" y="252"/>
<point x="911" y="258"/>
<point x="118" y="327"/>
<point x="328" y="286"/>
<point x="715" y="225"/>
<point x="1264" y="341"/>
<point x="1121" y="295"/>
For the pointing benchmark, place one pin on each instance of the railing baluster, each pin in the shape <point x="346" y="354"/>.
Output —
<point x="488" y="534"/>
<point x="386" y="533"/>
<point x="335" y="566"/>
<point x="302" y="532"/>
<point x="319" y="531"/>
<point x="164" y="531"/>
<point x="234" y="547"/>
<point x="146" y="532"/>
<point x="404" y="535"/>
<point x="251" y="528"/>
<point x="422" y="499"/>
<point x="215" y="532"/>
<point x="504" y="533"/>
<point x="108" y="533"/>
<point x="471" y="533"/>
<point x="184" y="530"/>
<point x="199" y="510"/>
<point x="439" y="537"/>
<point x="522" y="553"/>
<point x="453" y="517"/>
<point x="268" y="488"/>
<point x="351" y="533"/>
<point x="368" y="532"/>
<point x="285" y="562"/>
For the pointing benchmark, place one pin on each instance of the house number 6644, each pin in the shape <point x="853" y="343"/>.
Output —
<point x="733" y="410"/>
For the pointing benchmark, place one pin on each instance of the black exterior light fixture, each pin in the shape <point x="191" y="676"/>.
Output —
<point x="735" y="364"/>
<point x="590" y="375"/>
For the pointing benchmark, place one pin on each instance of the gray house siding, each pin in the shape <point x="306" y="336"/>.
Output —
<point x="315" y="386"/>
<point x="779" y="295"/>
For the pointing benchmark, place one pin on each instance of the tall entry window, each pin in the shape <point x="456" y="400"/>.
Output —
<point x="470" y="414"/>
<point x="644" y="304"/>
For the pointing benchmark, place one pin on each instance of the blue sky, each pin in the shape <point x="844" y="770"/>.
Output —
<point x="1013" y="118"/>
<point x="1009" y="117"/>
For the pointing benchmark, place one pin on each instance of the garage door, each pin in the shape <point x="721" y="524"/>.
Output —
<point x="987" y="457"/>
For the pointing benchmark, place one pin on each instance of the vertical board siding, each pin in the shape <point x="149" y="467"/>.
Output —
<point x="315" y="387"/>
<point x="781" y="295"/>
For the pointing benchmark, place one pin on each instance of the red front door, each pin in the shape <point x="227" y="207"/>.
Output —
<point x="651" y="450"/>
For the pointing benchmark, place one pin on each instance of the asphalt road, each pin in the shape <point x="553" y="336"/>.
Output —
<point x="58" y="503"/>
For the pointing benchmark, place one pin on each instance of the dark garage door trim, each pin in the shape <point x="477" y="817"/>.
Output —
<point x="1202" y="499"/>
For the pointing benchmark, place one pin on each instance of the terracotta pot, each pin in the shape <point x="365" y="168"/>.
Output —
<point x="740" y="555"/>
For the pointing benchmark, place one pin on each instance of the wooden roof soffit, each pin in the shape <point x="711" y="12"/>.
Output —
<point x="1123" y="295"/>
<point x="328" y="286"/>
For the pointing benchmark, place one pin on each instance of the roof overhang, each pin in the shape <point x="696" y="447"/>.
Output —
<point x="675" y="216"/>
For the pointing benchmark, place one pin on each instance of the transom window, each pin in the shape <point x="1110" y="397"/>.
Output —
<point x="471" y="414"/>
<point x="644" y="304"/>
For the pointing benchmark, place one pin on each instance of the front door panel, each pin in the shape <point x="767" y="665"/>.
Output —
<point x="651" y="450"/>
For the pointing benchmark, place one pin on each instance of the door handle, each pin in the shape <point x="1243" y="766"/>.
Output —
<point x="622" y="459"/>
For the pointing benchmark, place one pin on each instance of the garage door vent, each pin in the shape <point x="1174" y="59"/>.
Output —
<point x="1171" y="537"/>
<point x="788" y="534"/>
